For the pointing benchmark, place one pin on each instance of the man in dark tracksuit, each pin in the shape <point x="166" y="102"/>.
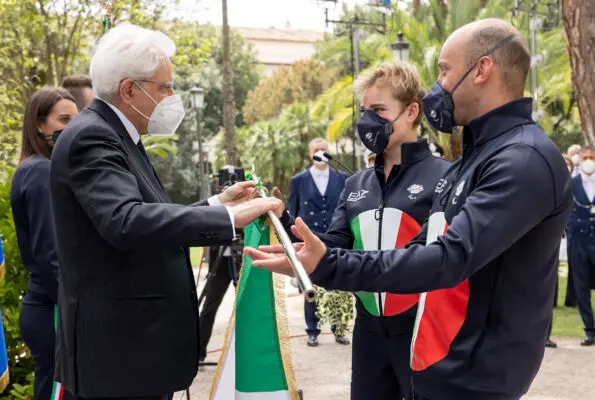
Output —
<point x="581" y="239"/>
<point x="492" y="239"/>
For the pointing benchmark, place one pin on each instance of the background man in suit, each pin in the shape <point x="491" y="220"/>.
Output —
<point x="581" y="246"/>
<point x="128" y="316"/>
<point x="81" y="88"/>
<point x="313" y="195"/>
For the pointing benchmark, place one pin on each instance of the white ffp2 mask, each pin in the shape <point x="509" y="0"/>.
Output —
<point x="588" y="167"/>
<point x="167" y="115"/>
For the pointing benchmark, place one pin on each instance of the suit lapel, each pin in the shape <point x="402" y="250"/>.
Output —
<point x="145" y="170"/>
<point x="579" y="190"/>
<point x="316" y="195"/>
<point x="333" y="182"/>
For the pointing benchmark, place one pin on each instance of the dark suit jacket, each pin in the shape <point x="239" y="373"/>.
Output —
<point x="31" y="209"/>
<point x="579" y="223"/>
<point x="306" y="201"/>
<point x="128" y="316"/>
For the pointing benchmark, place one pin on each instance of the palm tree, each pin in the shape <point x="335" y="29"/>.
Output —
<point x="426" y="25"/>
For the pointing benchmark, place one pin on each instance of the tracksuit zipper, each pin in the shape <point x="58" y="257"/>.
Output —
<point x="380" y="215"/>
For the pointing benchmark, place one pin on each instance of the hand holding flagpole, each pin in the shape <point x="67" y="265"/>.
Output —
<point x="304" y="281"/>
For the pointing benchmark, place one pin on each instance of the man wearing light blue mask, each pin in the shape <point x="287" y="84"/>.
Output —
<point x="487" y="256"/>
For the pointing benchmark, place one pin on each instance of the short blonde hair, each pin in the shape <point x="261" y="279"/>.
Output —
<point x="403" y="80"/>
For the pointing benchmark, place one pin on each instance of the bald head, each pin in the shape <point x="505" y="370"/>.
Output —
<point x="511" y="59"/>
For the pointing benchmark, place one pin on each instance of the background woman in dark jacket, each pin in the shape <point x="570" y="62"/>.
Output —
<point x="48" y="111"/>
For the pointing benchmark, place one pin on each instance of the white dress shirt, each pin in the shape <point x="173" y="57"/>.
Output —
<point x="320" y="178"/>
<point x="133" y="132"/>
<point x="589" y="185"/>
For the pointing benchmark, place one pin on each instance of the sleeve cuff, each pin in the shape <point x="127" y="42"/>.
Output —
<point x="231" y="218"/>
<point x="322" y="275"/>
<point x="215" y="201"/>
<point x="286" y="220"/>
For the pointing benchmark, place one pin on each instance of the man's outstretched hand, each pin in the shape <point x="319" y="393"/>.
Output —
<point x="273" y="258"/>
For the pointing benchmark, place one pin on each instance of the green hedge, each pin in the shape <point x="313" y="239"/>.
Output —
<point x="12" y="289"/>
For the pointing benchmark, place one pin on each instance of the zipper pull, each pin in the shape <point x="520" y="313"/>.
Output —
<point x="380" y="211"/>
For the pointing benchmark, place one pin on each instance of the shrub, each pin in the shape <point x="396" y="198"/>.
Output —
<point x="12" y="290"/>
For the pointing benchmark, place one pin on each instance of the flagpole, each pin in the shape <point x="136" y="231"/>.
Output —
<point x="300" y="272"/>
<point x="108" y="6"/>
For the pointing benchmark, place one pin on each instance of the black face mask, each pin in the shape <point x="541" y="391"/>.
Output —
<point x="55" y="136"/>
<point x="374" y="131"/>
<point x="439" y="105"/>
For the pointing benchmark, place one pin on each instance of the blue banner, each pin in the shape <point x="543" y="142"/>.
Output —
<point x="3" y="356"/>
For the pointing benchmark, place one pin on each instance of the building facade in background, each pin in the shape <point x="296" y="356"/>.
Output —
<point x="276" y="47"/>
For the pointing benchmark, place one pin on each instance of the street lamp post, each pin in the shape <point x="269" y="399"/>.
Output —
<point x="400" y="49"/>
<point x="197" y="100"/>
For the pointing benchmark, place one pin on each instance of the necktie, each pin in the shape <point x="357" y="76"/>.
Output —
<point x="142" y="150"/>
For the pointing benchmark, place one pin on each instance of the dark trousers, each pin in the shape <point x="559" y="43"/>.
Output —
<point x="380" y="363"/>
<point x="312" y="320"/>
<point x="582" y="251"/>
<point x="549" y="330"/>
<point x="215" y="289"/>
<point x="570" y="297"/>
<point x="36" y="323"/>
<point x="310" y="310"/>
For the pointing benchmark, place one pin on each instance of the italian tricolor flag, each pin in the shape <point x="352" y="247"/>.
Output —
<point x="256" y="359"/>
<point x="57" y="388"/>
<point x="398" y="229"/>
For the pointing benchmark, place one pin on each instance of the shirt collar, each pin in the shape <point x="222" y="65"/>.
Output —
<point x="588" y="178"/>
<point x="126" y="122"/>
<point x="316" y="172"/>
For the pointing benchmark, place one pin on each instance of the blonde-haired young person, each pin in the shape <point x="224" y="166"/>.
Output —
<point x="389" y="200"/>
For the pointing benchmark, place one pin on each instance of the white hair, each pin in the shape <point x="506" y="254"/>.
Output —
<point x="316" y="141"/>
<point x="575" y="148"/>
<point x="127" y="52"/>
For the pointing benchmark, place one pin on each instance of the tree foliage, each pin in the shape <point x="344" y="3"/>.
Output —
<point x="426" y="25"/>
<point x="278" y="148"/>
<point x="302" y="81"/>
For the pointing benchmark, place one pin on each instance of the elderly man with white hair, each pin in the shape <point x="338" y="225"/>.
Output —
<point x="128" y="315"/>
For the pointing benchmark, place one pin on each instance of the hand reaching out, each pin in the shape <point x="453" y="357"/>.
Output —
<point x="273" y="258"/>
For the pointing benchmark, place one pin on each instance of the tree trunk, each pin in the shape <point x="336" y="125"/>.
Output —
<point x="579" y="23"/>
<point x="229" y="105"/>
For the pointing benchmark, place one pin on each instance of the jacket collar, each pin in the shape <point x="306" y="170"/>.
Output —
<point x="498" y="121"/>
<point x="106" y="112"/>
<point x="410" y="152"/>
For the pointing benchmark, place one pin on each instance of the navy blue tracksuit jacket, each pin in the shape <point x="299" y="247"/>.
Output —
<point x="488" y="267"/>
